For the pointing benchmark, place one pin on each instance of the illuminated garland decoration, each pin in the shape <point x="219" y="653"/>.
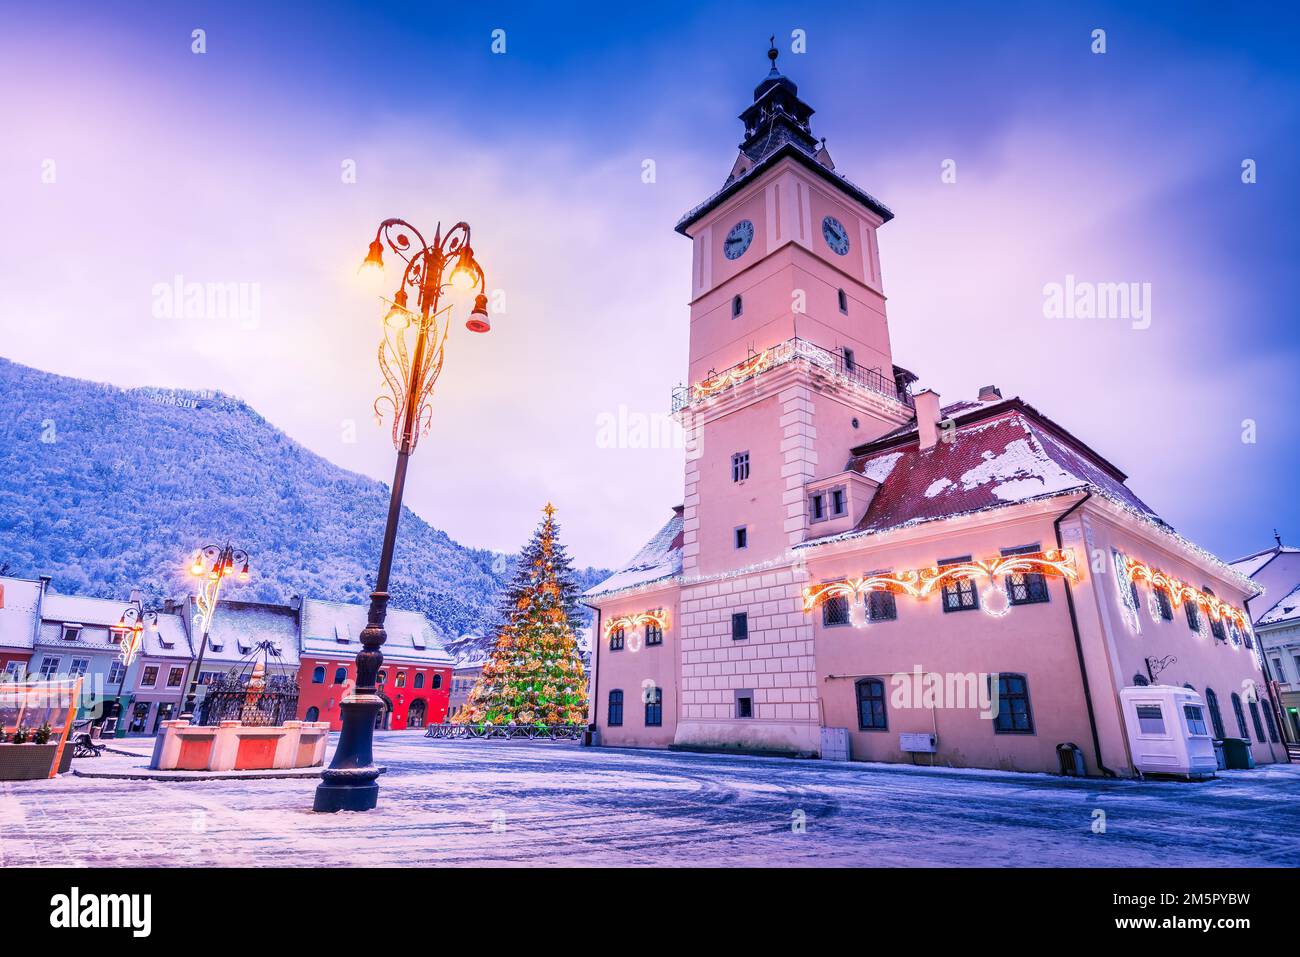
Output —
<point x="737" y="373"/>
<point x="1180" y="592"/>
<point x="132" y="642"/>
<point x="657" y="618"/>
<point x="921" y="583"/>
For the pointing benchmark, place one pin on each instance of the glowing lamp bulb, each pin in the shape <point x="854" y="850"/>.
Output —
<point x="374" y="258"/>
<point x="197" y="567"/>
<point x="478" y="318"/>
<point x="398" y="317"/>
<point x="464" y="276"/>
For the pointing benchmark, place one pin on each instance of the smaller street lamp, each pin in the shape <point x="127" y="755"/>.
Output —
<point x="211" y="565"/>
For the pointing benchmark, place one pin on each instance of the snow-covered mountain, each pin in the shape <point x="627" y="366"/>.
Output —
<point x="108" y="490"/>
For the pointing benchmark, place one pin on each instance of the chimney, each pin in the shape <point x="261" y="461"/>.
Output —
<point x="927" y="417"/>
<point x="135" y="595"/>
<point x="989" y="393"/>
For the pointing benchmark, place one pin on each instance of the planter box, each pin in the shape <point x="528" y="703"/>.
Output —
<point x="27" y="762"/>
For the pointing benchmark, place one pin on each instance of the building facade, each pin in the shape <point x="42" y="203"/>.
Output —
<point x="414" y="680"/>
<point x="965" y="584"/>
<point x="1276" y="615"/>
<point x="20" y="617"/>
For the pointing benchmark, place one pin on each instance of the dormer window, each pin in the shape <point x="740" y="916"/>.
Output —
<point x="342" y="634"/>
<point x="817" y="507"/>
<point x="72" y="632"/>
<point x="844" y="302"/>
<point x="839" y="502"/>
<point x="115" y="635"/>
<point x="737" y="307"/>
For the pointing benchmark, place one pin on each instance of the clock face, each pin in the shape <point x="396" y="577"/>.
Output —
<point x="836" y="236"/>
<point x="738" y="239"/>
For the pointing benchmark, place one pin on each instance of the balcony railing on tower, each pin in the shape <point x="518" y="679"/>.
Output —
<point x="835" y="363"/>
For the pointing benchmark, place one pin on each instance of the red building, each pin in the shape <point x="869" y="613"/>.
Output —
<point x="414" y="681"/>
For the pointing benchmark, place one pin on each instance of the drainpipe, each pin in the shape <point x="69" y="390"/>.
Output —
<point x="594" y="698"/>
<point x="1078" y="642"/>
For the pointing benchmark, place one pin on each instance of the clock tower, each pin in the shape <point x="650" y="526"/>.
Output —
<point x="790" y="367"/>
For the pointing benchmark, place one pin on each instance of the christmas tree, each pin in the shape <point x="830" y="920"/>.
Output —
<point x="535" y="673"/>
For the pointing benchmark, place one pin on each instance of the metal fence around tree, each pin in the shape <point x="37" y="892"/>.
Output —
<point x="544" y="732"/>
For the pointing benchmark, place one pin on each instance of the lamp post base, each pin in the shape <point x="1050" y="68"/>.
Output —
<point x="349" y="783"/>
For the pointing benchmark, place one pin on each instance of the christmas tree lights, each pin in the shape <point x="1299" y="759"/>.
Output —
<point x="535" y="674"/>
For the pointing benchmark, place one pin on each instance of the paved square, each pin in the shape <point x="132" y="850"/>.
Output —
<point x="503" y="803"/>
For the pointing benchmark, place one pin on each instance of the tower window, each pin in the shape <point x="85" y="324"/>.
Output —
<point x="745" y="703"/>
<point x="817" y="505"/>
<point x="737" y="307"/>
<point x="739" y="625"/>
<point x="838" y="503"/>
<point x="844" y="302"/>
<point x="742" y="537"/>
<point x="848" y="359"/>
<point x="739" y="466"/>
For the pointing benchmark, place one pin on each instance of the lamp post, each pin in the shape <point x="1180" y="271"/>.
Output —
<point x="211" y="565"/>
<point x="410" y="370"/>
<point x="133" y="622"/>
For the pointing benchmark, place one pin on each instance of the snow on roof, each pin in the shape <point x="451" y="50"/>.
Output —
<point x="18" y="612"/>
<point x="333" y="629"/>
<point x="1251" y="564"/>
<point x="988" y="464"/>
<point x="1288" y="609"/>
<point x="169" y="639"/>
<point x="659" y="559"/>
<point x="82" y="609"/>
<point x="239" y="626"/>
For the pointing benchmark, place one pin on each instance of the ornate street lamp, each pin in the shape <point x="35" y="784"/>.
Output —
<point x="132" y="624"/>
<point x="410" y="358"/>
<point x="211" y="565"/>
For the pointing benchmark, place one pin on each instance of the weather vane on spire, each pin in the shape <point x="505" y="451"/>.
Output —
<point x="772" y="53"/>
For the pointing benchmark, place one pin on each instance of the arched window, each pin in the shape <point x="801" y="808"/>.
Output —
<point x="1254" y="718"/>
<point x="1241" y="715"/>
<point x="1014" y="716"/>
<point x="1268" y="719"/>
<point x="437" y="680"/>
<point x="419" y="680"/>
<point x="1140" y="681"/>
<point x="615" y="708"/>
<point x="318" y="675"/>
<point x="654" y="708"/>
<point x="340" y="675"/>
<point x="1216" y="718"/>
<point x="871" y="705"/>
<point x="844" y="302"/>
<point x="737" y="307"/>
<point x="313" y="714"/>
<point x="401" y="680"/>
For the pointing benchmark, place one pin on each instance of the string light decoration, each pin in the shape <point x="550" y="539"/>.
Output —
<point x="645" y="618"/>
<point x="920" y="583"/>
<point x="736" y="374"/>
<point x="1179" y="592"/>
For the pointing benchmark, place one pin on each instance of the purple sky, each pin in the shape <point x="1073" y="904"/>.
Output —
<point x="226" y="167"/>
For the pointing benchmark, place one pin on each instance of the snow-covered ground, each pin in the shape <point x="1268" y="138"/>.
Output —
<point x="465" y="803"/>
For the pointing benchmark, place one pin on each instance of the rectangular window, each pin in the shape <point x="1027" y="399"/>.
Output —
<point x="175" y="676"/>
<point x="844" y="302"/>
<point x="617" y="637"/>
<point x="1151" y="720"/>
<point x="115" y="635"/>
<point x="1217" y="629"/>
<point x="1025" y="588"/>
<point x="1014" y="716"/>
<point x="817" y="507"/>
<point x="959" y="595"/>
<point x="835" y="611"/>
<point x="654" y="708"/>
<point x="116" y="672"/>
<point x="150" y="677"/>
<point x="1195" y="716"/>
<point x="78" y="667"/>
<point x="839" y="502"/>
<point x="615" y="708"/>
<point x="881" y="606"/>
<point x="71" y="632"/>
<point x="848" y="359"/>
<point x="654" y="635"/>
<point x="49" y="666"/>
<point x="1193" y="615"/>
<point x="14" y="671"/>
<point x="739" y="466"/>
<point x="739" y="625"/>
<point x="742" y="537"/>
<point x="745" y="704"/>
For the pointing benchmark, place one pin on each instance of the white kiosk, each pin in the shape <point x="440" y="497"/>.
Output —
<point x="1168" y="731"/>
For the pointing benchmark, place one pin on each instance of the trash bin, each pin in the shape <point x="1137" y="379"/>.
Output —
<point x="1071" y="760"/>
<point x="591" y="737"/>
<point x="1236" y="753"/>
<point x="1219" y="758"/>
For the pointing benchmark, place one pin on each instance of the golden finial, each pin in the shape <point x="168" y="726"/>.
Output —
<point x="549" y="510"/>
